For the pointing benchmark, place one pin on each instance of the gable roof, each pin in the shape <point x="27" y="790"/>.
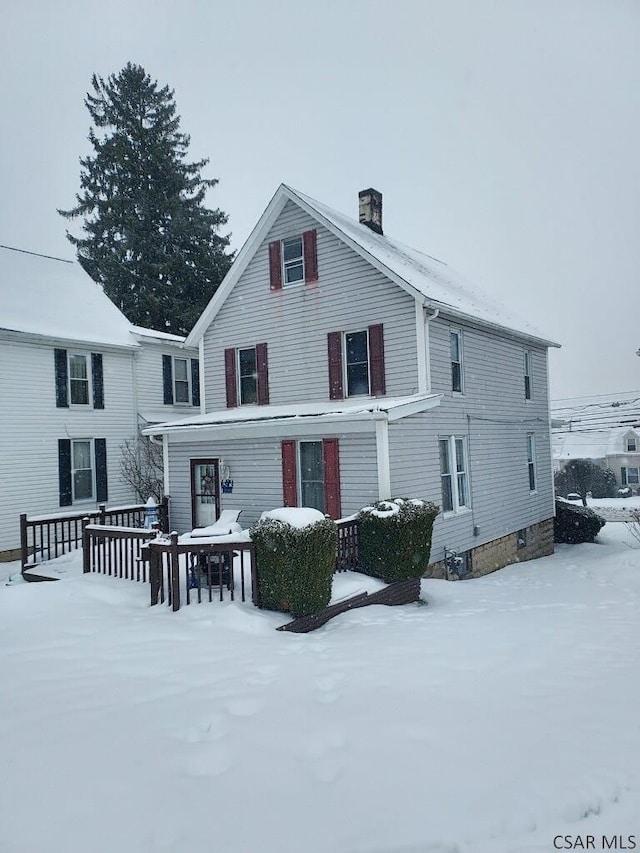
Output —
<point x="422" y="276"/>
<point x="57" y="299"/>
<point x="591" y="444"/>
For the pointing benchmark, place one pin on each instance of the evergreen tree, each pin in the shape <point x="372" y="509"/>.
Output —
<point x="148" y="238"/>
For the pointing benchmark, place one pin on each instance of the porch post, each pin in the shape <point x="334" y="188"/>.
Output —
<point x="382" y="454"/>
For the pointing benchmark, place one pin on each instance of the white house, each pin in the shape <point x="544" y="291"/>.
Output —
<point x="77" y="380"/>
<point x="340" y="366"/>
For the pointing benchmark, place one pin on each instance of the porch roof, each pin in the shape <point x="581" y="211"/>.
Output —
<point x="355" y="413"/>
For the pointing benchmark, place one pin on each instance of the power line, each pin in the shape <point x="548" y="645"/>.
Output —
<point x="37" y="254"/>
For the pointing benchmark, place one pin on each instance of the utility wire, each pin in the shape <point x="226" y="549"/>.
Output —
<point x="37" y="254"/>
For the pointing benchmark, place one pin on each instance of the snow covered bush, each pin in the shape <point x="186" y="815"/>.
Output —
<point x="395" y="538"/>
<point x="296" y="558"/>
<point x="574" y="524"/>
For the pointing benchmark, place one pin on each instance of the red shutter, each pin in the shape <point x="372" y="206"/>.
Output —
<point x="334" y="347"/>
<point x="275" y="265"/>
<point x="289" y="481"/>
<point x="331" y="457"/>
<point x="230" y="378"/>
<point x="310" y="256"/>
<point x="263" y="374"/>
<point x="376" y="361"/>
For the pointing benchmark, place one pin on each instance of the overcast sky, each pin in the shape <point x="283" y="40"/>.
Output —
<point x="503" y="134"/>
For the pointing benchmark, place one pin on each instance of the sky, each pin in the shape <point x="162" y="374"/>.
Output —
<point x="503" y="134"/>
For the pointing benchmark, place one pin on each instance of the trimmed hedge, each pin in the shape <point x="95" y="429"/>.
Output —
<point x="395" y="538"/>
<point x="296" y="565"/>
<point x="574" y="524"/>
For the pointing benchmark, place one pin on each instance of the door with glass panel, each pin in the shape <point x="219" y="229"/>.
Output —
<point x="205" y="491"/>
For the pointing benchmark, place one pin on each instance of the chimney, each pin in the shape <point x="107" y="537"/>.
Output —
<point x="370" y="209"/>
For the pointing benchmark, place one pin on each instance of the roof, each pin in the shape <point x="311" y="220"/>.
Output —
<point x="57" y="299"/>
<point x="590" y="444"/>
<point x="421" y="275"/>
<point x="321" y="413"/>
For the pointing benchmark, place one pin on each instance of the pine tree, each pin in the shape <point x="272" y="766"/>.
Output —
<point x="148" y="238"/>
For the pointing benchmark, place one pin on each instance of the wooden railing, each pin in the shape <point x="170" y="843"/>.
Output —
<point x="348" y="556"/>
<point x="185" y="572"/>
<point x="45" y="537"/>
<point x="115" y="551"/>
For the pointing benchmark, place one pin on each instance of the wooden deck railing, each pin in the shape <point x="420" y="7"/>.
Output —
<point x="45" y="537"/>
<point x="115" y="551"/>
<point x="348" y="556"/>
<point x="186" y="572"/>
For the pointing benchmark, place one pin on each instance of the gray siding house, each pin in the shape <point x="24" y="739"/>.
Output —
<point x="340" y="367"/>
<point x="77" y="380"/>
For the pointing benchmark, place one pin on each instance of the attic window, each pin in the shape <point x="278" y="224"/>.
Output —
<point x="292" y="261"/>
<point x="632" y="444"/>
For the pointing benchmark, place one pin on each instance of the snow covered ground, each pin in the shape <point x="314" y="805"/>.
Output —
<point x="503" y="714"/>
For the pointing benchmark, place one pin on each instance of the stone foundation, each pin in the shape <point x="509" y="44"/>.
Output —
<point x="494" y="555"/>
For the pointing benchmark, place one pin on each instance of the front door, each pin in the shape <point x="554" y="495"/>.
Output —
<point x="205" y="492"/>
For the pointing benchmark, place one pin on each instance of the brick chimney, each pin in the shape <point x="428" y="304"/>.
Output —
<point x="370" y="209"/>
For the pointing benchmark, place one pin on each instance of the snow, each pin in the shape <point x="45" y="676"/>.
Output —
<point x="57" y="300"/>
<point x="501" y="715"/>
<point x="299" y="517"/>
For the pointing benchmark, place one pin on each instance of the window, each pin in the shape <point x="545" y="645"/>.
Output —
<point x="531" y="460"/>
<point x="455" y="346"/>
<point x="78" y="378"/>
<point x="248" y="376"/>
<point x="356" y="348"/>
<point x="356" y="363"/>
<point x="180" y="380"/>
<point x="82" y="470"/>
<point x="630" y="476"/>
<point x="528" y="388"/>
<point x="631" y="444"/>
<point x="293" y="261"/>
<point x="311" y="475"/>
<point x="453" y="473"/>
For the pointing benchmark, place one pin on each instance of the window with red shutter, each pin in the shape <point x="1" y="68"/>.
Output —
<point x="376" y="361"/>
<point x="334" y="352"/>
<point x="331" y="457"/>
<point x="231" y="381"/>
<point x="310" y="256"/>
<point x="275" y="265"/>
<point x="263" y="374"/>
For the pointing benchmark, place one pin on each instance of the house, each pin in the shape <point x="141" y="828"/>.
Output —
<point x="604" y="428"/>
<point x="340" y="367"/>
<point x="77" y="381"/>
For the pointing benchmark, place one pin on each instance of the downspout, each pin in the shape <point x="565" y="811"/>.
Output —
<point x="382" y="455"/>
<point x="423" y="318"/>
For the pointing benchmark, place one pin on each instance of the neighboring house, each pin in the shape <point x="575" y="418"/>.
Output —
<point x="605" y="429"/>
<point x="77" y="381"/>
<point x="340" y="367"/>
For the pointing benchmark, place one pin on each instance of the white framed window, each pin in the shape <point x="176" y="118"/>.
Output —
<point x="531" y="460"/>
<point x="454" y="474"/>
<point x="79" y="379"/>
<point x="356" y="362"/>
<point x="455" y="347"/>
<point x="181" y="381"/>
<point x="82" y="470"/>
<point x="630" y="476"/>
<point x="292" y="261"/>
<point x="632" y="444"/>
<point x="311" y="474"/>
<point x="247" y="376"/>
<point x="528" y="376"/>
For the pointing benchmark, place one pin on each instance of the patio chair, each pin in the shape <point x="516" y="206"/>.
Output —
<point x="214" y="568"/>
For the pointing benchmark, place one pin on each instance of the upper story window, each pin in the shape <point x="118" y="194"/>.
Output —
<point x="180" y="381"/>
<point x="528" y="385"/>
<point x="293" y="260"/>
<point x="78" y="379"/>
<point x="246" y="375"/>
<point x="356" y="363"/>
<point x="531" y="460"/>
<point x="632" y="444"/>
<point x="455" y="346"/>
<point x="453" y="473"/>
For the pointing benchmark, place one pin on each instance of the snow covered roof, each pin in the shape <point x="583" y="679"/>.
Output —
<point x="359" y="408"/>
<point x="592" y="444"/>
<point x="57" y="299"/>
<point x="140" y="332"/>
<point x="419" y="274"/>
